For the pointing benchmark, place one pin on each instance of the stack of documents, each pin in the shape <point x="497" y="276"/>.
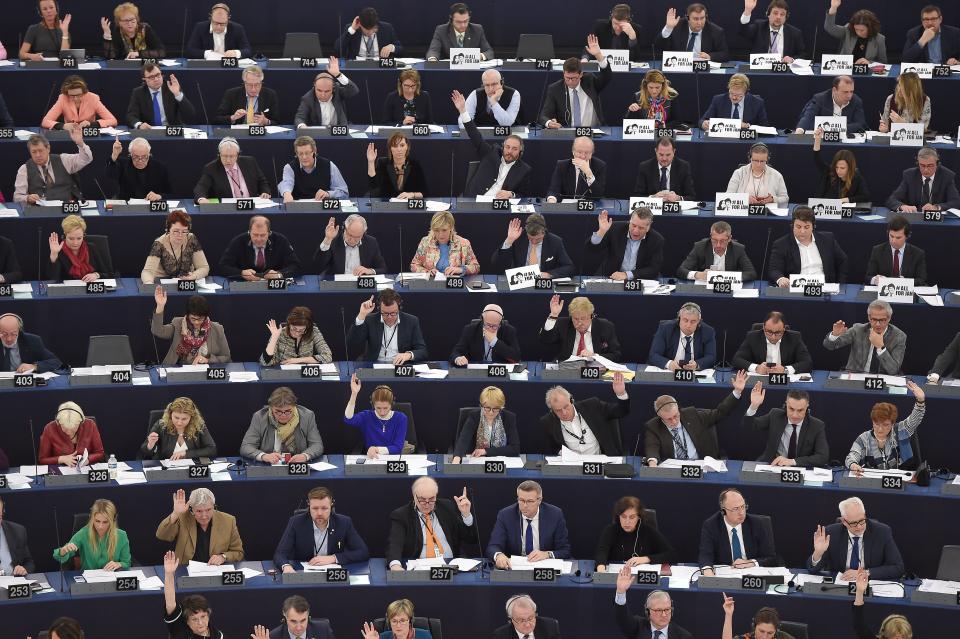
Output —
<point x="200" y="569"/>
<point x="809" y="474"/>
<point x="520" y="562"/>
<point x="708" y="464"/>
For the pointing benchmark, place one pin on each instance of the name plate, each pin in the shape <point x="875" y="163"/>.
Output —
<point x="337" y="575"/>
<point x="228" y="63"/>
<point x="216" y="374"/>
<point x="232" y="578"/>
<point x="69" y="208"/>
<point x="416" y="204"/>
<point x="26" y="380"/>
<point x="120" y="377"/>
<point x="441" y="573"/>
<point x="311" y="371"/>
<point x="933" y="216"/>
<point x="6" y="133"/>
<point x="404" y="370"/>
<point x="198" y="471"/>
<point x="593" y="469"/>
<point x="752" y="582"/>
<point x="494" y="467"/>
<point x="245" y="204"/>
<point x="874" y="383"/>
<point x="91" y="131"/>
<point x="127" y="584"/>
<point x="691" y="471"/>
<point x="683" y="375"/>
<point x="339" y="131"/>
<point x="454" y="282"/>
<point x="648" y="577"/>
<point x="308" y="63"/>
<point x="330" y="204"/>
<point x="367" y="281"/>
<point x="544" y="574"/>
<point x="496" y="370"/>
<point x="257" y="131"/>
<point x="98" y="476"/>
<point x="590" y="372"/>
<point x="397" y="467"/>
<point x="19" y="591"/>
<point x="892" y="482"/>
<point x="586" y="205"/>
<point x="501" y="205"/>
<point x="277" y="284"/>
<point x="778" y="379"/>
<point x="791" y="476"/>
<point x="295" y="469"/>
<point x="96" y="288"/>
<point x="421" y="130"/>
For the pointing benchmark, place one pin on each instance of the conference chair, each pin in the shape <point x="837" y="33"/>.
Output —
<point x="105" y="350"/>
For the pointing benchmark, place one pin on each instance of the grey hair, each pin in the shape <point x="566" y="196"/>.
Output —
<point x="928" y="152"/>
<point x="530" y="486"/>
<point x="253" y="70"/>
<point x="524" y="601"/>
<point x="557" y="389"/>
<point x="38" y="140"/>
<point x="355" y="217"/>
<point x="421" y="481"/>
<point x="139" y="142"/>
<point x="227" y="143"/>
<point x="490" y="73"/>
<point x="657" y="594"/>
<point x="851" y="501"/>
<point x="881" y="305"/>
<point x="201" y="497"/>
<point x="721" y="227"/>
<point x="690" y="307"/>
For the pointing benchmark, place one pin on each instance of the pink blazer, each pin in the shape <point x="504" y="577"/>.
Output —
<point x="91" y="109"/>
<point x="461" y="254"/>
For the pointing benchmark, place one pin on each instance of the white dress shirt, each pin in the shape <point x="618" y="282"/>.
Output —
<point x="681" y="348"/>
<point x="810" y="261"/>
<point x="501" y="176"/>
<point x="576" y="428"/>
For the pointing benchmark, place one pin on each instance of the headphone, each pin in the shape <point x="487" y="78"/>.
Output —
<point x="492" y="308"/>
<point x="690" y="306"/>
<point x="759" y="147"/>
<point x="227" y="140"/>
<point x="723" y="494"/>
<point x="753" y="622"/>
<point x="890" y="619"/>
<point x="220" y="5"/>
<point x="658" y="593"/>
<point x="385" y="387"/>
<point x="70" y="409"/>
<point x="514" y="599"/>
<point x="17" y="317"/>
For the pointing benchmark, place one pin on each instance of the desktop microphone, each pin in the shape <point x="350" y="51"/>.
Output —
<point x="400" y="272"/>
<point x="766" y="247"/>
<point x="56" y="528"/>
<point x="813" y="55"/>
<point x="701" y="569"/>
<point x="366" y="86"/>
<point x="154" y="338"/>
<point x="183" y="38"/>
<point x="33" y="442"/>
<point x="452" y="201"/>
<point x="203" y="104"/>
<point x="100" y="188"/>
<point x="40" y="254"/>
<point x="723" y="363"/>
<point x="636" y="447"/>
<point x="276" y="176"/>
<point x="543" y="94"/>
<point x="476" y="522"/>
<point x="340" y="39"/>
<point x="53" y="88"/>
<point x="343" y="328"/>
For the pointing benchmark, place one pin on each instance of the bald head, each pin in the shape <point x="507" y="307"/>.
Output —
<point x="583" y="148"/>
<point x="492" y="82"/>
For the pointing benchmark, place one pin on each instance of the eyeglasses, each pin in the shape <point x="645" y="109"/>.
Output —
<point x="408" y="85"/>
<point x="140" y="158"/>
<point x="661" y="611"/>
<point x="522" y="620"/>
<point x="10" y="334"/>
<point x="75" y="95"/>
<point x="389" y="314"/>
<point x="426" y="501"/>
<point x="492" y="409"/>
<point x="179" y="232"/>
<point x="293" y="328"/>
<point x="855" y="524"/>
<point x="153" y="76"/>
<point x="879" y="320"/>
<point x="527" y="502"/>
<point x="218" y="24"/>
<point x="773" y="333"/>
<point x="492" y="327"/>
<point x="400" y="621"/>
<point x="738" y="509"/>
<point x="283" y="411"/>
<point x="127" y="20"/>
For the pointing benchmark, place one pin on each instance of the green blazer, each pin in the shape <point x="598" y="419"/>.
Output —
<point x="93" y="558"/>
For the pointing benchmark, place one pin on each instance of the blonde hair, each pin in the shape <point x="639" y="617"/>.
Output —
<point x="408" y="74"/>
<point x="70" y="415"/>
<point x="400" y="607"/>
<point x="657" y="77"/>
<point x="183" y="405"/>
<point x="493" y="396"/>
<point x="911" y="96"/>
<point x="740" y="81"/>
<point x="580" y="304"/>
<point x="895" y="626"/>
<point x="104" y="507"/>
<point x="126" y="7"/>
<point x="439" y="220"/>
<point x="72" y="223"/>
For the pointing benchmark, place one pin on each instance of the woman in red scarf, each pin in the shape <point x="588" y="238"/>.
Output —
<point x="73" y="258"/>
<point x="194" y="338"/>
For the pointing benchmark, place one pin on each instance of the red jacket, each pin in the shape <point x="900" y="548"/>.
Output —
<point x="54" y="442"/>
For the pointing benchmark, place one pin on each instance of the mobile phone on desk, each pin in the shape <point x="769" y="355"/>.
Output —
<point x="361" y="460"/>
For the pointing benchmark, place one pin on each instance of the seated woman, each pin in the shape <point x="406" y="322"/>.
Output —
<point x="298" y="341"/>
<point x="763" y="183"/>
<point x="892" y="627"/>
<point x="180" y="434"/>
<point x="191" y="617"/>
<point x="177" y="253"/>
<point x="384" y="430"/>
<point x="408" y="105"/>
<point x="766" y="623"/>
<point x="77" y="107"/>
<point x="488" y="431"/>
<point x="839" y="180"/>
<point x="195" y="339"/>
<point x="907" y="103"/>
<point x="282" y="430"/>
<point x="630" y="540"/>
<point x="400" y="618"/>
<point x="887" y="445"/>
<point x="74" y="258"/>
<point x="65" y="438"/>
<point x="49" y="36"/>
<point x="397" y="175"/>
<point x="443" y="251"/>
<point x="100" y="544"/>
<point x="654" y="100"/>
<point x="129" y="39"/>
<point x="860" y="37"/>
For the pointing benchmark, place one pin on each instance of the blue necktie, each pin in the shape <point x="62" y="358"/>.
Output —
<point x="855" y="554"/>
<point x="157" y="118"/>
<point x="528" y="538"/>
<point x="735" y="544"/>
<point x="576" y="108"/>
<point x="663" y="178"/>
<point x="692" y="41"/>
<point x="736" y="111"/>
<point x="688" y="348"/>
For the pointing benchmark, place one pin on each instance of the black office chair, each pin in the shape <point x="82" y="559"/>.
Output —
<point x="535" y="46"/>
<point x="795" y="628"/>
<point x="914" y="462"/>
<point x="155" y="416"/>
<point x="767" y="524"/>
<point x="104" y="350"/>
<point x="471" y="171"/>
<point x="407" y="409"/>
<point x="302" y="45"/>
<point x="102" y="245"/>
<point x="949" y="568"/>
<point x="650" y="518"/>
<point x="431" y="624"/>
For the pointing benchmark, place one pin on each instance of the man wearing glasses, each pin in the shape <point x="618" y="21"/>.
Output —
<point x="390" y="336"/>
<point x="734" y="538"/>
<point x="486" y="340"/>
<point x="218" y="37"/>
<point x="524" y="621"/>
<point x="876" y="346"/>
<point x="774" y="348"/>
<point x="138" y="176"/>
<point x="658" y="621"/>
<point x="865" y="546"/>
<point x="283" y="431"/>
<point x="429" y="528"/>
<point x="158" y="103"/>
<point x="251" y="103"/>
<point x="530" y="529"/>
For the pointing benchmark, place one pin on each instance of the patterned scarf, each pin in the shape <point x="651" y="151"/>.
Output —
<point x="191" y="341"/>
<point x="139" y="41"/>
<point x="285" y="431"/>
<point x="658" y="111"/>
<point x="498" y="437"/>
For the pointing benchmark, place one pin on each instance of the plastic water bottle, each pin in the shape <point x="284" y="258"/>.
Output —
<point x="112" y="466"/>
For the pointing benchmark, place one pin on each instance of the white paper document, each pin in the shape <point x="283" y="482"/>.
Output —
<point x="520" y="562"/>
<point x="708" y="463"/>
<point x="308" y="568"/>
<point x="508" y="462"/>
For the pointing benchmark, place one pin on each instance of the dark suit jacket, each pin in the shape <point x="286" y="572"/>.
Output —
<point x="757" y="542"/>
<point x="636" y="627"/>
<point x="132" y="183"/>
<point x="822" y="104"/>
<point x="236" y="98"/>
<point x="348" y="46"/>
<point x="564" y="335"/>
<point x="200" y="446"/>
<point x="758" y="33"/>
<point x="949" y="44"/>
<point x="10" y="266"/>
<point x="369" y="335"/>
<point x="947" y="363"/>
<point x="310" y="114"/>
<point x="278" y="255"/>
<point x="614" y="245"/>
<point x="444" y="39"/>
<point x="608" y="40"/>
<point x="99" y="260"/>
<point x="556" y="105"/>
<point x="140" y="107"/>
<point x="713" y="40"/>
<point x="384" y="181"/>
<point x="553" y="256"/>
<point x="681" y="179"/>
<point x="393" y="109"/>
<point x="913" y="262"/>
<point x="16" y="536"/>
<point x="6" y="120"/>
<point x="700" y="424"/>
<point x="753" y="109"/>
<point x="333" y="260"/>
<point x="564" y="177"/>
<point x="317" y="629"/>
<point x="343" y="540"/>
<point x="910" y="190"/>
<point x="602" y="417"/>
<point x="467" y="440"/>
<point x="667" y="339"/>
<point x="546" y="628"/>
<point x="214" y="183"/>
<point x="506" y="533"/>
<point x="518" y="177"/>
<point x="202" y="40"/>
<point x="701" y="257"/>
<point x="880" y="553"/>
<point x="406" y="539"/>
<point x="471" y="346"/>
<point x="785" y="257"/>
<point x="32" y="351"/>
<point x="812" y="447"/>
<point x="793" y="351"/>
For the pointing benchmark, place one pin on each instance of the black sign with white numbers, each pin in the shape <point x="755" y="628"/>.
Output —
<point x="127" y="584"/>
<point x="778" y="379"/>
<point x="791" y="476"/>
<point x="296" y="469"/>
<point x="160" y="206"/>
<point x="186" y="286"/>
<point x="592" y="469"/>
<point x="397" y="467"/>
<point x="723" y="287"/>
<point x="501" y="205"/>
<point x="543" y="284"/>
<point x="174" y="131"/>
<point x="813" y="290"/>
<point x="543" y="64"/>
<point x="892" y="482"/>
<point x="852" y="588"/>
<point x="330" y="204"/>
<point x="24" y="381"/>
<point x="336" y="575"/>
<point x="633" y="286"/>
<point x="3" y="481"/>
<point x="494" y="467"/>
<point x="779" y="67"/>
<point x="19" y="591"/>
<point x="216" y="374"/>
<point x="98" y="476"/>
<point x="933" y="216"/>
<point x="589" y="372"/>
<point x="232" y="578"/>
<point x="68" y="62"/>
<point x="199" y="471"/>
<point x="441" y="573"/>
<point x="455" y="282"/>
<point x="339" y="131"/>
<point x="96" y="288"/>
<point x="366" y="281"/>
<point x="748" y="134"/>
<point x="6" y="133"/>
<point x="648" y="577"/>
<point x="388" y="63"/>
<point x="69" y="208"/>
<point x="91" y="131"/>
<point x="846" y="213"/>
<point x="665" y="133"/>
<point x="874" y="383"/>
<point x="583" y="131"/>
<point x="691" y="471"/>
<point x="421" y="130"/>
<point x="277" y="284"/>
<point x="6" y="290"/>
<point x="831" y="136"/>
<point x="940" y="71"/>
<point x="861" y="69"/>
<point x="245" y="204"/>
<point x="670" y="207"/>
<point x="544" y="574"/>
<point x="228" y="63"/>
<point x="586" y="205"/>
<point x="683" y="375"/>
<point x="501" y="131"/>
<point x="757" y="210"/>
<point x="404" y="370"/>
<point x="701" y="66"/>
<point x="310" y="371"/>
<point x="308" y="63"/>
<point x="496" y="370"/>
<point x="257" y="131"/>
<point x="751" y="582"/>
<point x="120" y="377"/>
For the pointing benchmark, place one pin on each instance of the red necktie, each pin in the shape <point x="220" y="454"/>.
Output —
<point x="261" y="260"/>
<point x="582" y="346"/>
<point x="896" y="262"/>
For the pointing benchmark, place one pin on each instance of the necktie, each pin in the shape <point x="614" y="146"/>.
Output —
<point x="434" y="549"/>
<point x="251" y="107"/>
<point x="576" y="107"/>
<point x="855" y="554"/>
<point x="157" y="118"/>
<point x="735" y="545"/>
<point x="773" y="41"/>
<point x="926" y="190"/>
<point x="657" y="634"/>
<point x="896" y="262"/>
<point x="528" y="538"/>
<point x="692" y="41"/>
<point x="792" y="447"/>
<point x="233" y="173"/>
<point x="534" y="258"/>
<point x="261" y="260"/>
<point x="688" y="348"/>
<point x="875" y="362"/>
<point x="663" y="178"/>
<point x="459" y="39"/>
<point x="679" y="445"/>
<point x="369" y="43"/>
<point x="736" y="111"/>
<point x="582" y="344"/>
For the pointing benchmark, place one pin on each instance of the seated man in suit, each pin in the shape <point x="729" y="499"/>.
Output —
<point x="158" y="103"/>
<point x="297" y="623"/>
<point x="947" y="363"/>
<point x="773" y="348"/>
<point x="575" y="100"/>
<point x="659" y="608"/>
<point x="894" y="258"/>
<point x="16" y="561"/>
<point x="794" y="437"/>
<point x="429" y="527"/>
<point x="488" y="339"/>
<point x="876" y="346"/>
<point x="688" y="432"/>
<point x="839" y="101"/>
<point x="772" y="35"/>
<point x="737" y="103"/>
<point x="665" y="175"/>
<point x="218" y="37"/>
<point x="139" y="175"/>
<point x="319" y="536"/>
<point x="582" y="334"/>
<point x="705" y="39"/>
<point x="200" y="531"/>
<point x="805" y="252"/>
<point x="531" y="243"/>
<point x="10" y="272"/>
<point x="931" y="40"/>
<point x="582" y="176"/>
<point x="590" y="426"/>
<point x="259" y="254"/>
<point x="310" y="177"/>
<point x="252" y="103"/>
<point x="686" y="342"/>
<point x="618" y="31"/>
<point x="524" y="622"/>
<point x="717" y="253"/>
<point x="350" y="252"/>
<point x="326" y="103"/>
<point x="501" y="173"/>
<point x="856" y="543"/>
<point x="630" y="250"/>
<point x="459" y="32"/>
<point x="51" y="176"/>
<point x="231" y="175"/>
<point x="368" y="38"/>
<point x="734" y="538"/>
<point x="389" y="337"/>
<point x="530" y="528"/>
<point x="485" y="106"/>
<point x="929" y="186"/>
<point x="23" y="352"/>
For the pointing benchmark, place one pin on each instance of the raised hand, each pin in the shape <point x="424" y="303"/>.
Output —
<point x="367" y="307"/>
<point x="619" y="384"/>
<point x="917" y="391"/>
<point x="65" y="23"/>
<point x="105" y="25"/>
<point x="371" y="153"/>
<point x="152" y="440"/>
<point x="821" y="541"/>
<point x="672" y="19"/>
<point x="757" y="395"/>
<point x="76" y="134"/>
<point x="556" y="305"/>
<point x="593" y="47"/>
<point x="180" y="505"/>
<point x="330" y="233"/>
<point x="170" y="562"/>
<point x="160" y="297"/>
<point x="739" y="381"/>
<point x="459" y="102"/>
<point x="463" y="503"/>
<point x="624" y="580"/>
<point x="274" y="329"/>
<point x="117" y="148"/>
<point x="354" y="384"/>
<point x="727" y="604"/>
<point x="260" y="632"/>
<point x="834" y="5"/>
<point x="173" y="84"/>
<point x="749" y="6"/>
<point x="369" y="632"/>
<point x="839" y="328"/>
<point x="55" y="244"/>
<point x="604" y="222"/>
<point x="514" y="230"/>
<point x="333" y="66"/>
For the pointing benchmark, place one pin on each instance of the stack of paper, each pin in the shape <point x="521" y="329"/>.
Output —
<point x="308" y="568"/>
<point x="681" y="575"/>
<point x="200" y="569"/>
<point x="615" y="568"/>
<point x="939" y="585"/>
<point x="729" y="571"/>
<point x="243" y="376"/>
<point x="509" y="462"/>
<point x="520" y="562"/>
<point x="709" y="464"/>
<point x="322" y="466"/>
<point x="18" y="481"/>
<point x="325" y="369"/>
<point x="104" y="576"/>
<point x="809" y="474"/>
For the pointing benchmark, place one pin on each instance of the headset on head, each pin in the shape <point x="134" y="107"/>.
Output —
<point x="753" y="620"/>
<point x="385" y="387"/>
<point x="220" y="5"/>
<point x="56" y="3"/>
<point x="723" y="495"/>
<point x="512" y="600"/>
<point x="16" y="317"/>
<point x="759" y="147"/>
<point x="690" y="306"/>
<point x="890" y="619"/>
<point x="493" y="308"/>
<point x="658" y="593"/>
